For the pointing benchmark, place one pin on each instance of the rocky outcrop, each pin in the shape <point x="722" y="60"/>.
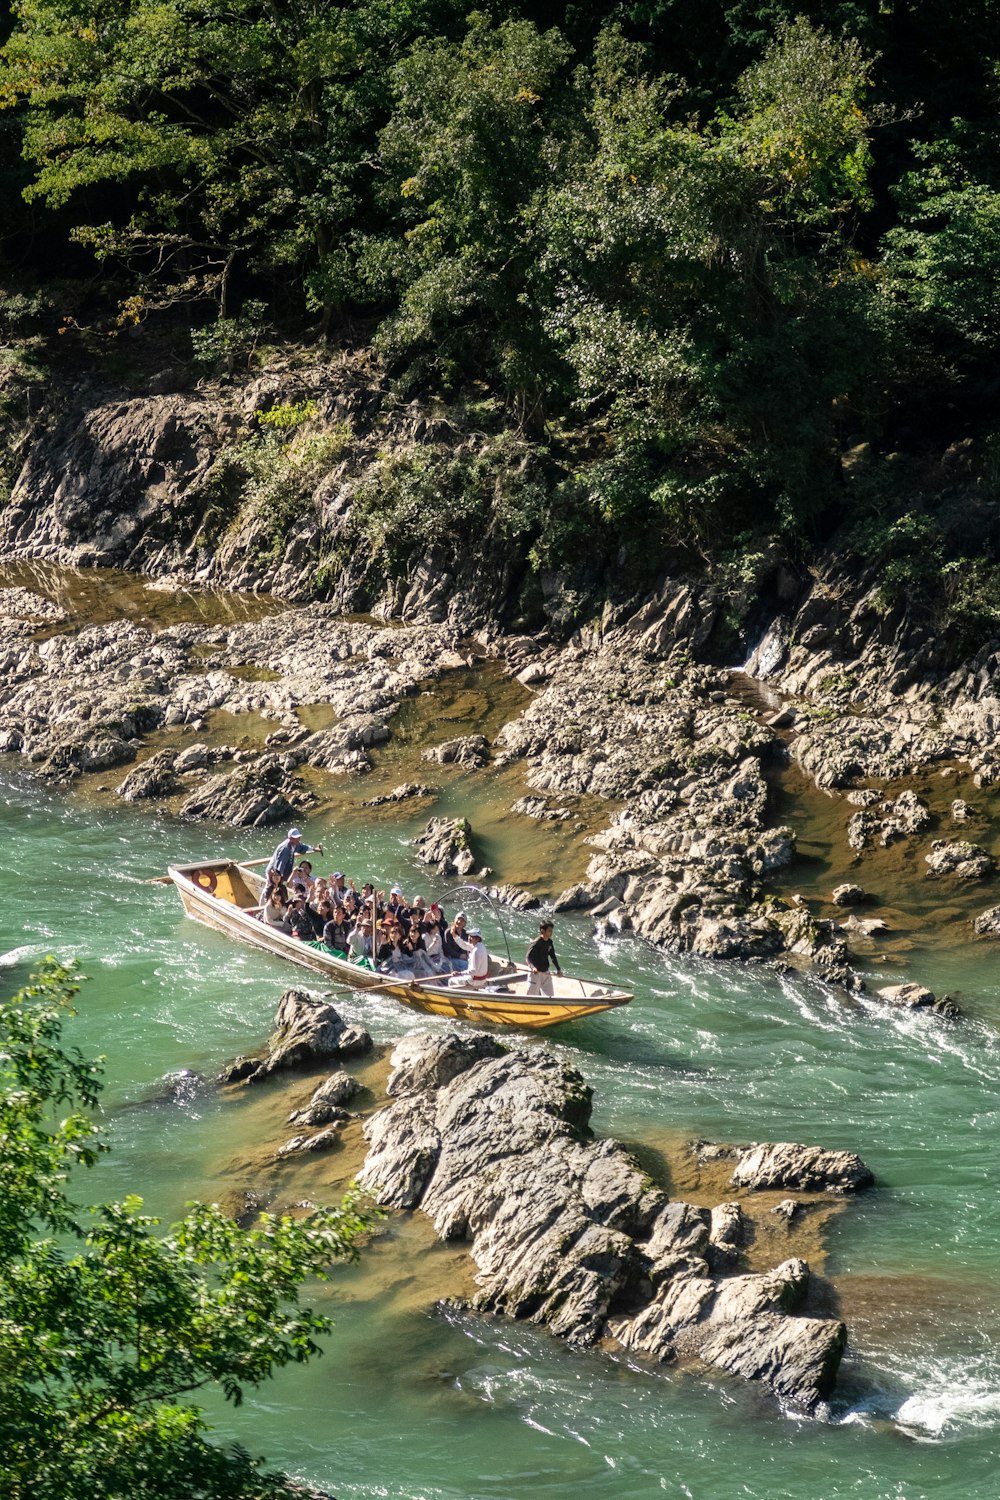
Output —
<point x="962" y="860"/>
<point x="567" y="1231"/>
<point x="156" y="777"/>
<point x="446" y="844"/>
<point x="471" y="751"/>
<point x="403" y="793"/>
<point x="327" y="1101"/>
<point x="987" y="924"/>
<point x="886" y="821"/>
<point x="784" y="1164"/>
<point x="308" y="1032"/>
<point x="255" y="795"/>
<point x="848" y="895"/>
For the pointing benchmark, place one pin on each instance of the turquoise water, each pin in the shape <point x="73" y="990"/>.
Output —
<point x="407" y="1403"/>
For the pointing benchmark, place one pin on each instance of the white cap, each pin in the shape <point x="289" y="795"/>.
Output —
<point x="397" y="890"/>
<point x="474" y="932"/>
<point x="294" y="833"/>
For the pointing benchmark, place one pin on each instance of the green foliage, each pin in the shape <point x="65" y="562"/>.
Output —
<point x="108" y="1326"/>
<point x="269" y="474"/>
<point x="229" y="344"/>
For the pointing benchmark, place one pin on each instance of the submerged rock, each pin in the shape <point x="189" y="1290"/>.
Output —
<point x="402" y="793"/>
<point x="470" y="750"/>
<point x="567" y="1231"/>
<point x="912" y="996"/>
<point x="325" y="1104"/>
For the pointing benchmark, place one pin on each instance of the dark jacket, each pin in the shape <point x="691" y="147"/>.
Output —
<point x="541" y="954"/>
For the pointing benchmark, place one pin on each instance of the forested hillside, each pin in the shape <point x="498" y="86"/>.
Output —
<point x="709" y="283"/>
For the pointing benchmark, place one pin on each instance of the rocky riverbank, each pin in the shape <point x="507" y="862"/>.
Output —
<point x="676" y="761"/>
<point x="565" y="1230"/>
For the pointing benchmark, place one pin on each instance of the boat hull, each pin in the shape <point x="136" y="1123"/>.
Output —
<point x="221" y="896"/>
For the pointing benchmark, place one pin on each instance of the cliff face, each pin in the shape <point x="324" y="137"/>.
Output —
<point x="194" y="484"/>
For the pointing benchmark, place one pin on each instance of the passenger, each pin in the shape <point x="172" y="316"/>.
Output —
<point x="322" y="913"/>
<point x="397" y="908"/>
<point x="392" y="956"/>
<point x="321" y="891"/>
<point x="335" y="933"/>
<point x="432" y="960"/>
<point x="275" y="883"/>
<point x="359" y="939"/>
<point x="455" y="946"/>
<point x="276" y="913"/>
<point x="413" y="943"/>
<point x="284" y="857"/>
<point x="302" y="920"/>
<point x="338" y="886"/>
<point x="539" y="956"/>
<point x="302" y="879"/>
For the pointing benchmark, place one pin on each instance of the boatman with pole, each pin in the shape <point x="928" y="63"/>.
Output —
<point x="539" y="956"/>
<point x="284" y="857"/>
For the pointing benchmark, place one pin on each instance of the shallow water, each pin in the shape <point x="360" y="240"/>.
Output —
<point x="408" y="1403"/>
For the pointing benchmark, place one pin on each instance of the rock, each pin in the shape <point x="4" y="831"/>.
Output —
<point x="538" y="807"/>
<point x="788" y="1208"/>
<point x="302" y="1145"/>
<point x="963" y="860"/>
<point x="568" y="1231"/>
<point x="961" y="812"/>
<point x="512" y="895"/>
<point x="255" y="795"/>
<point x="308" y="1032"/>
<point x="574" y="898"/>
<point x="807" y="1168"/>
<point x="325" y="1104"/>
<point x="912" y="996"/>
<point x="446" y="844"/>
<point x="888" y="821"/>
<point x="848" y="895"/>
<point x="403" y="793"/>
<point x="729" y="1231"/>
<point x="988" y="922"/>
<point x="864" y="927"/>
<point x="156" y="777"/>
<point x="471" y="750"/>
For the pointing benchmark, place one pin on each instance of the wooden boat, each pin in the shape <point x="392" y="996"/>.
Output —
<point x="225" y="895"/>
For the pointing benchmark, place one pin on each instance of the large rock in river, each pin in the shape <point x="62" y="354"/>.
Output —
<point x="784" y="1164"/>
<point x="564" y="1230"/>
<point x="308" y="1032"/>
<point x="254" y="795"/>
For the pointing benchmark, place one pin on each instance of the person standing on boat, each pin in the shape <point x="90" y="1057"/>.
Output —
<point x="284" y="857"/>
<point x="539" y="956"/>
<point x="479" y="959"/>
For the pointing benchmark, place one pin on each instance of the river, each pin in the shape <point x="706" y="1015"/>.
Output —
<point x="409" y="1403"/>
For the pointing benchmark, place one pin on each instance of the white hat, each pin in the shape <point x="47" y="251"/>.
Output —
<point x="294" y="833"/>
<point x="397" y="890"/>
<point x="474" y="932"/>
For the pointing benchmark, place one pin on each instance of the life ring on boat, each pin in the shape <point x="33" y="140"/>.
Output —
<point x="205" y="880"/>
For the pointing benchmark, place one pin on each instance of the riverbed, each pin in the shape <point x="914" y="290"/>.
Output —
<point x="409" y="1403"/>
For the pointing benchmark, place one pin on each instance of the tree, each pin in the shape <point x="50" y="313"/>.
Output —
<point x="107" y="1327"/>
<point x="197" y="140"/>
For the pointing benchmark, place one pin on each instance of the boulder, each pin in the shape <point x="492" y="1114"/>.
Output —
<point x="325" y="1104"/>
<point x="308" y="1032"/>
<point x="155" y="777"/>
<point x="784" y="1164"/>
<point x="302" y="1145"/>
<point x="849" y="895"/>
<point x="470" y="750"/>
<point x="961" y="811"/>
<point x="912" y="996"/>
<point x="963" y="860"/>
<point x="988" y="922"/>
<point x="254" y="795"/>
<point x="888" y="821"/>
<point x="446" y="844"/>
<point x="568" y="1231"/>
<point x="403" y="793"/>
